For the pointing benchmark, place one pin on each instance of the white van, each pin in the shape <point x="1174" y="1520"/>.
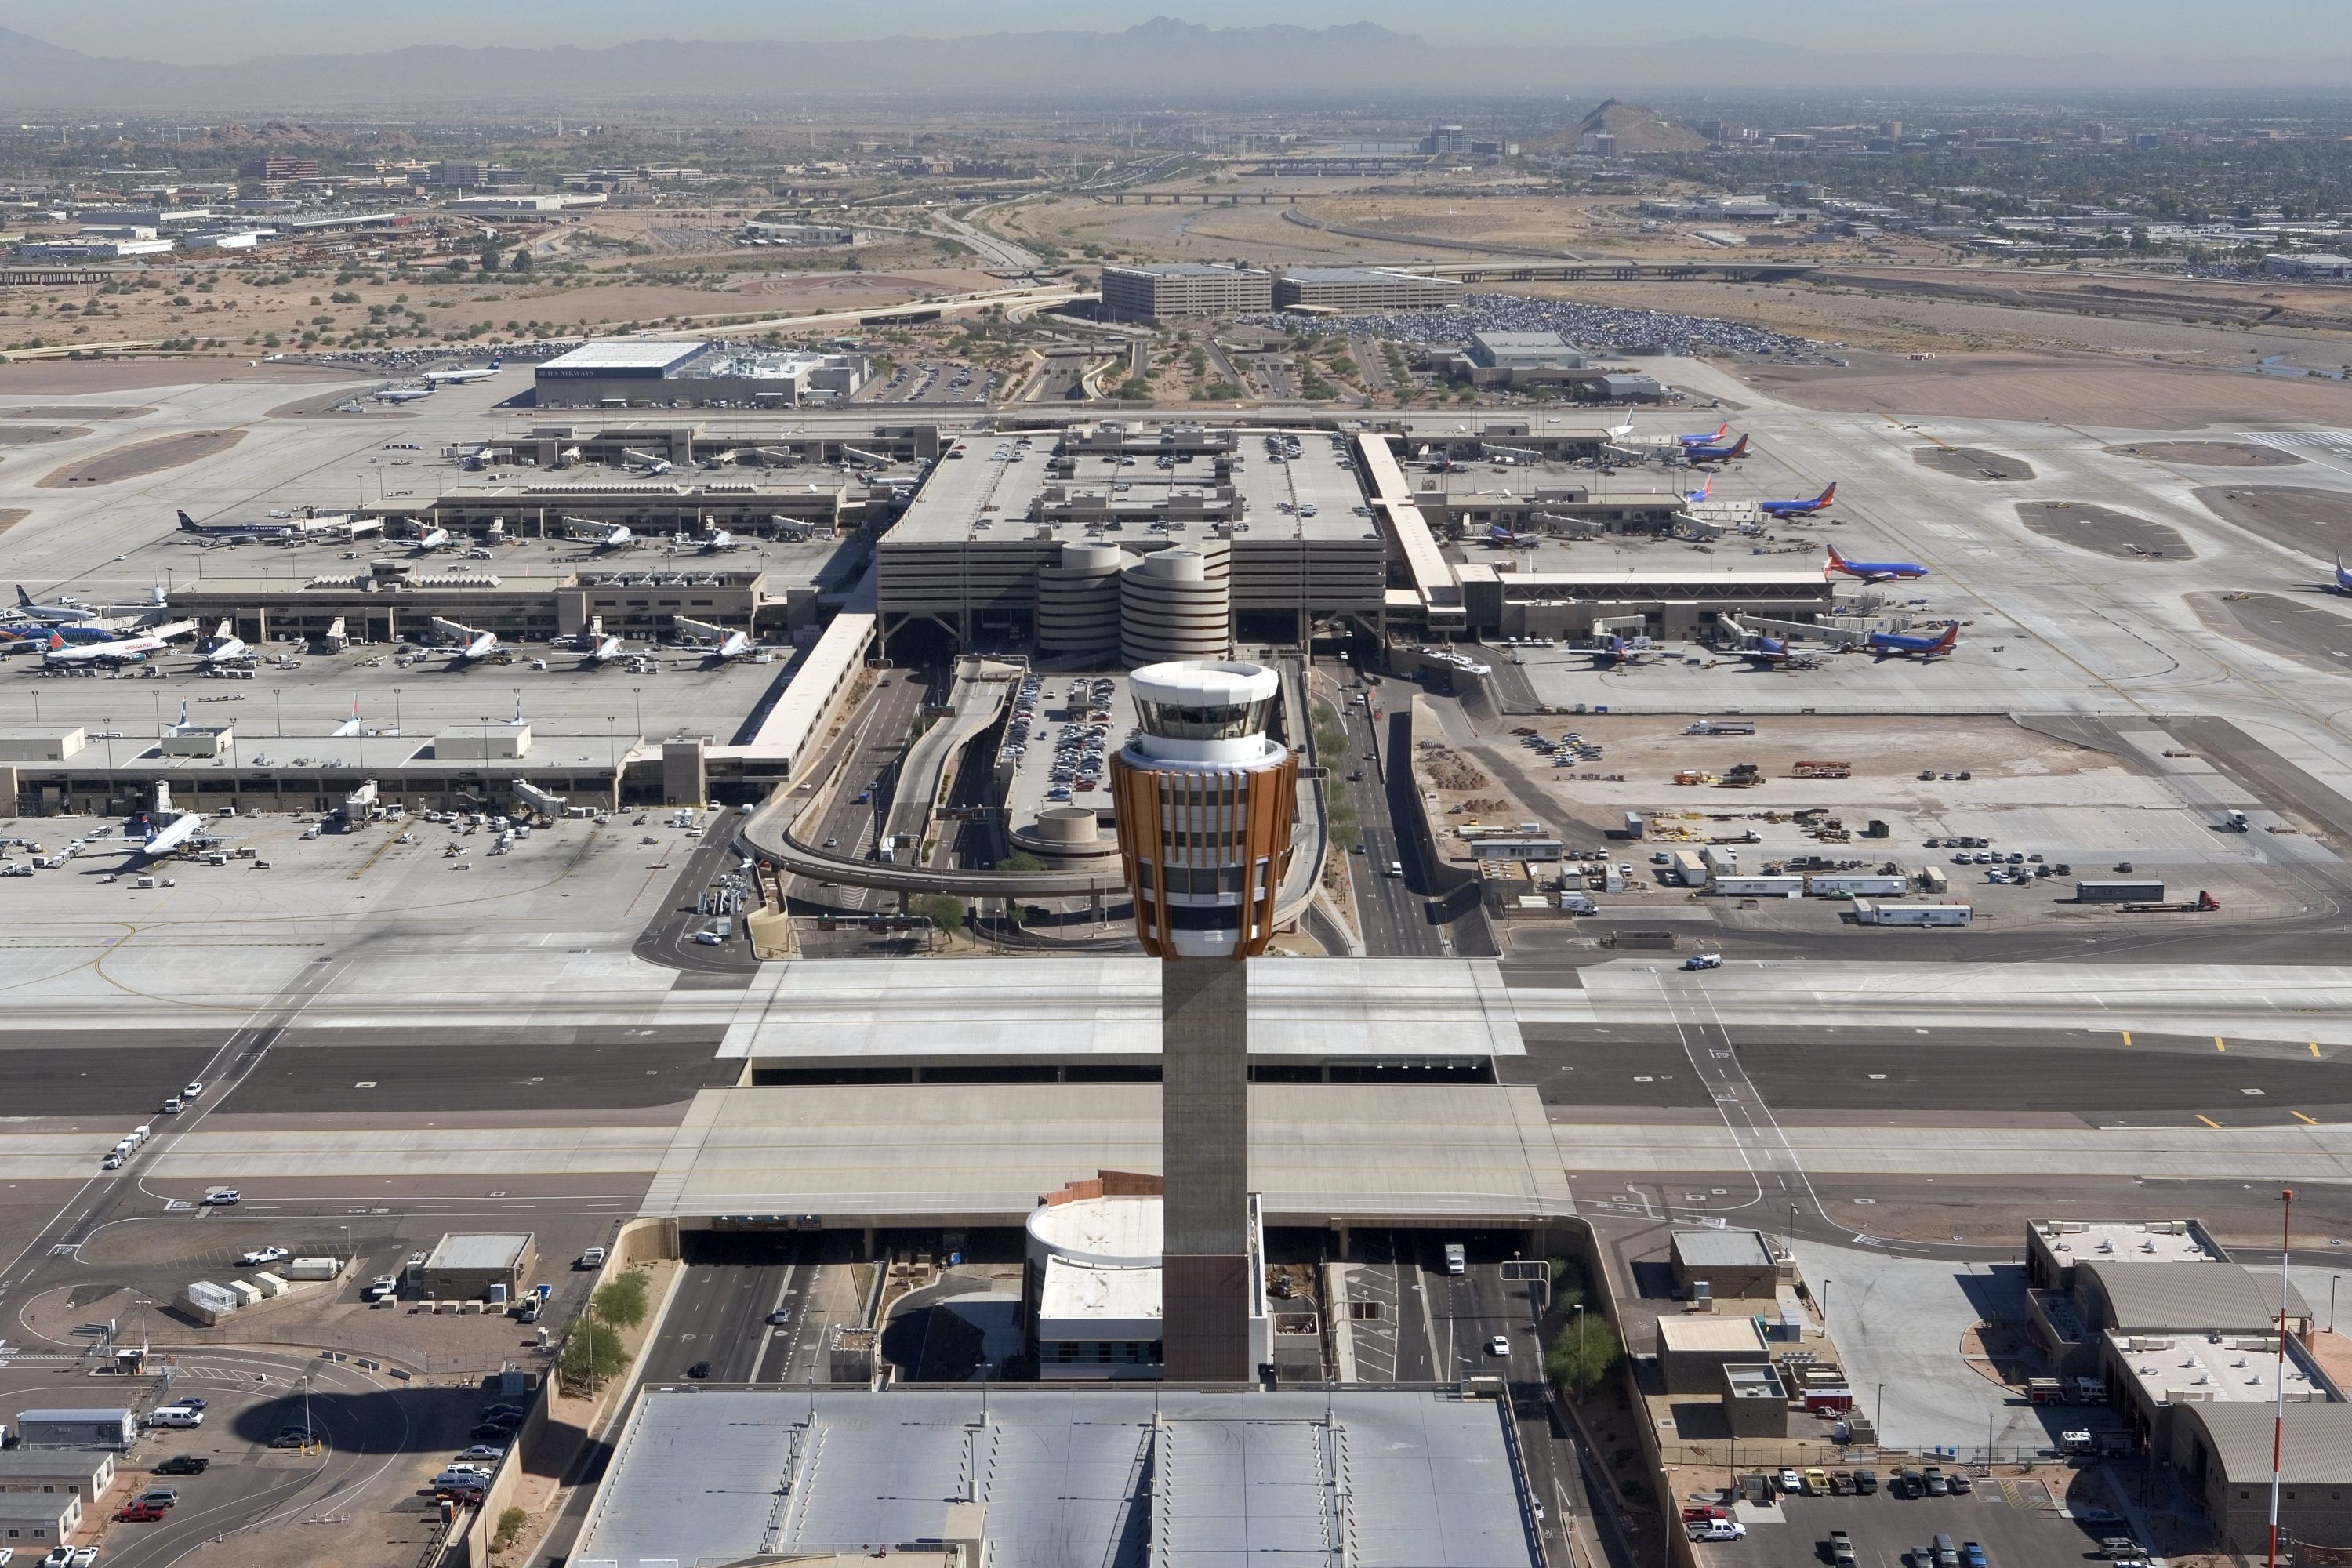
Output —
<point x="174" y="1415"/>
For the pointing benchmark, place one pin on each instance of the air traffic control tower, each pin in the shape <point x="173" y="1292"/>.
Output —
<point x="1204" y="801"/>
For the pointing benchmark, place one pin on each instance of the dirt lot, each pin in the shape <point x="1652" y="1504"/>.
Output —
<point x="2209" y="454"/>
<point x="142" y="458"/>
<point x="2318" y="523"/>
<point x="2065" y="388"/>
<point x="37" y="435"/>
<point x="2311" y="635"/>
<point x="2108" y="532"/>
<point x="1972" y="463"/>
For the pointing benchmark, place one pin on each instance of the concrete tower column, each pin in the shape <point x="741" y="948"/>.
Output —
<point x="1204" y="803"/>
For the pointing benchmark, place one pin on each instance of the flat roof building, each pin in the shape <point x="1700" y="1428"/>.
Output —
<point x="1356" y="289"/>
<point x="643" y="373"/>
<point x="2054" y="1247"/>
<point x="1694" y="1347"/>
<point x="76" y="1428"/>
<point x="465" y="1266"/>
<point x="1153" y="293"/>
<point x="83" y="1474"/>
<point x="1524" y="351"/>
<point x="1737" y="1264"/>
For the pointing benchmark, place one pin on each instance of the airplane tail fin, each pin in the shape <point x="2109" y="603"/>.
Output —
<point x="1828" y="495"/>
<point x="1738" y="451"/>
<point x="493" y="362"/>
<point x="24" y="600"/>
<point x="1949" y="641"/>
<point x="187" y="523"/>
<point x="1835" y="563"/>
<point x="183" y="712"/>
<point x="157" y="596"/>
<point x="55" y="642"/>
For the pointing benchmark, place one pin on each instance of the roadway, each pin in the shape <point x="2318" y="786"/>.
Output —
<point x="1392" y="919"/>
<point x="729" y="1285"/>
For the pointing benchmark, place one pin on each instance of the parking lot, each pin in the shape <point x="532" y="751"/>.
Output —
<point x="1062" y="752"/>
<point x="2018" y="1521"/>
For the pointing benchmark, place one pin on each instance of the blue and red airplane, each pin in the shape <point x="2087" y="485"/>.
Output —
<point x="1872" y="571"/>
<point x="1902" y="645"/>
<point x="1730" y="454"/>
<point x="1709" y="440"/>
<point x="1800" y="507"/>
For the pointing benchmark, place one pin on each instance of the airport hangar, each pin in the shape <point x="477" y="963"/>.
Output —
<point x="649" y="373"/>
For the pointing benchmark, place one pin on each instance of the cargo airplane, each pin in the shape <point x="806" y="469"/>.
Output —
<point x="1872" y="571"/>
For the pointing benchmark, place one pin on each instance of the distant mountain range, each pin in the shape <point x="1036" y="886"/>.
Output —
<point x="1160" y="62"/>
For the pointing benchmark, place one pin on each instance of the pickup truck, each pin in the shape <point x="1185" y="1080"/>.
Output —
<point x="1842" y="1549"/>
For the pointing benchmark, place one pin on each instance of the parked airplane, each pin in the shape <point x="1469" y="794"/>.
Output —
<point x="644" y="462"/>
<point x="301" y="526"/>
<point x="733" y="645"/>
<point x="1501" y="538"/>
<point x="1730" y="454"/>
<point x="458" y="377"/>
<point x="169" y="829"/>
<point x="717" y="539"/>
<point x="224" y="647"/>
<point x="1618" y="652"/>
<point x="402" y="393"/>
<point x="1800" y="507"/>
<point x="1872" y="571"/>
<point x="117" y="650"/>
<point x="603" y="650"/>
<point x="2343" y="577"/>
<point x="431" y="540"/>
<point x="1901" y="645"/>
<point x="17" y="639"/>
<point x="1693" y="498"/>
<point x="1760" y="648"/>
<point x="1707" y="439"/>
<point x="64" y="610"/>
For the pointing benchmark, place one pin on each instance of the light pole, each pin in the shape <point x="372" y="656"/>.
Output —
<point x="1878" y="1422"/>
<point x="1792" y="1232"/>
<point x="395" y="709"/>
<point x="278" y="719"/>
<point x="2332" y="1279"/>
<point x="109" y="750"/>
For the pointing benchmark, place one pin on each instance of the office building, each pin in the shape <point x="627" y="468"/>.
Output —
<point x="1348" y="290"/>
<point x="1206" y="799"/>
<point x="1155" y="293"/>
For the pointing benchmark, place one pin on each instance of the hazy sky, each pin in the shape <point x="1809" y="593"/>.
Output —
<point x="206" y="31"/>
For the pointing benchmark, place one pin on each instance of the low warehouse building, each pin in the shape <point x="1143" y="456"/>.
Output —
<point x="465" y="1266"/>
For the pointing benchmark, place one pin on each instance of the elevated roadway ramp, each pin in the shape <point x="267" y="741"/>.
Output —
<point x="982" y="687"/>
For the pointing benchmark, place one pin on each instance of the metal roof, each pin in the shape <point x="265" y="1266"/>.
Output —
<point x="2318" y="1449"/>
<point x="2165" y="1297"/>
<point x="630" y="354"/>
<point x="1066" y="1478"/>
